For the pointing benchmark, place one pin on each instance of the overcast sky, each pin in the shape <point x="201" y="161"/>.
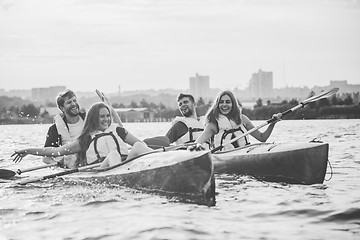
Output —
<point x="156" y="44"/>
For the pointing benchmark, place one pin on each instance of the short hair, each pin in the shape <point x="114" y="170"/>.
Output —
<point x="182" y="95"/>
<point x="60" y="99"/>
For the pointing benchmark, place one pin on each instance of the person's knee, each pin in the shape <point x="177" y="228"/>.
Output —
<point x="138" y="148"/>
<point x="113" y="158"/>
<point x="141" y="147"/>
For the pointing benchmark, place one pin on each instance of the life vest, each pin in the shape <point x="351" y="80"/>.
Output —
<point x="64" y="138"/>
<point x="102" y="143"/>
<point x="229" y="130"/>
<point x="63" y="129"/>
<point x="195" y="128"/>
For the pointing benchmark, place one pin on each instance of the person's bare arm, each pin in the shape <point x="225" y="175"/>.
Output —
<point x="67" y="149"/>
<point x="260" y="136"/>
<point x="209" y="131"/>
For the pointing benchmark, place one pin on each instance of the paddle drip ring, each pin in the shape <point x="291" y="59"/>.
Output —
<point x="331" y="171"/>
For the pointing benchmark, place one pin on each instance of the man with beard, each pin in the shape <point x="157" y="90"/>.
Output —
<point x="67" y="126"/>
<point x="188" y="127"/>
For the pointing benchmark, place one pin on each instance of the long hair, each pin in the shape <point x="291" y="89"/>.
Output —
<point x="91" y="125"/>
<point x="213" y="113"/>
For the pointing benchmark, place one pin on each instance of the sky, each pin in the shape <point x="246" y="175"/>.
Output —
<point x="157" y="44"/>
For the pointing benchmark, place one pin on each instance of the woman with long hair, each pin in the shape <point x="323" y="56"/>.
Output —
<point x="101" y="141"/>
<point x="225" y="121"/>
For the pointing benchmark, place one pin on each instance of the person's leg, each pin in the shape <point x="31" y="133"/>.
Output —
<point x="157" y="142"/>
<point x="70" y="161"/>
<point x="137" y="149"/>
<point x="111" y="159"/>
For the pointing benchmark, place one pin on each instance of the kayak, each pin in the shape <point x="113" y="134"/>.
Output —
<point x="300" y="163"/>
<point x="182" y="174"/>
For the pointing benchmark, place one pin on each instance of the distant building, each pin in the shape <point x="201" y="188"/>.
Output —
<point x="199" y="86"/>
<point x="289" y="93"/>
<point x="339" y="83"/>
<point x="344" y="87"/>
<point x="135" y="114"/>
<point x="243" y="95"/>
<point x="24" y="94"/>
<point x="261" y="85"/>
<point x="46" y="94"/>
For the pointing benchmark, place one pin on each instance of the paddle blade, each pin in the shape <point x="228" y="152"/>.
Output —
<point x="6" y="174"/>
<point x="321" y="96"/>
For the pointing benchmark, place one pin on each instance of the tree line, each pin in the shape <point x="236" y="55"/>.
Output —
<point x="14" y="110"/>
<point x="333" y="107"/>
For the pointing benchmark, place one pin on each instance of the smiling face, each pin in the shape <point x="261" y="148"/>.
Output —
<point x="104" y="119"/>
<point x="186" y="106"/>
<point x="71" y="106"/>
<point x="225" y="104"/>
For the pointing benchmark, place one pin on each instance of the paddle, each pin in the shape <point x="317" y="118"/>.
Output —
<point x="8" y="174"/>
<point x="102" y="97"/>
<point x="80" y="169"/>
<point x="300" y="105"/>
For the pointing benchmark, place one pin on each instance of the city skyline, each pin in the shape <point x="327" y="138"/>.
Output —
<point x="198" y="88"/>
<point x="141" y="45"/>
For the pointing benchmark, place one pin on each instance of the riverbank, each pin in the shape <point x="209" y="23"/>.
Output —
<point x="258" y="113"/>
<point x="13" y="121"/>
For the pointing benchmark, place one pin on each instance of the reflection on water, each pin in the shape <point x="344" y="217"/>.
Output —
<point x="245" y="208"/>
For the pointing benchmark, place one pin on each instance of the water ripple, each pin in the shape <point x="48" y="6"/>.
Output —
<point x="352" y="215"/>
<point x="6" y="211"/>
<point x="100" y="203"/>
<point x="170" y="232"/>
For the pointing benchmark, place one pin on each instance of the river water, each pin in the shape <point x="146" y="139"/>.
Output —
<point x="245" y="208"/>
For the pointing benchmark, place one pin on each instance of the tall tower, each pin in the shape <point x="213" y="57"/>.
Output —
<point x="199" y="86"/>
<point x="261" y="84"/>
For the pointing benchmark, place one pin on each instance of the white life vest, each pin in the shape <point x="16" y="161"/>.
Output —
<point x="102" y="143"/>
<point x="66" y="137"/>
<point x="195" y="128"/>
<point x="229" y="130"/>
<point x="63" y="130"/>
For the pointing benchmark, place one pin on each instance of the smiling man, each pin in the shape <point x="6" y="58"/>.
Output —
<point x="189" y="126"/>
<point x="67" y="125"/>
